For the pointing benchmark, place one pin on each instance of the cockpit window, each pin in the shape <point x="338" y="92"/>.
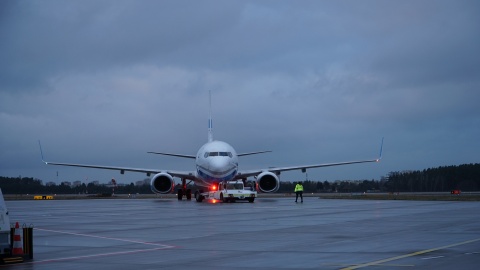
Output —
<point x="216" y="154"/>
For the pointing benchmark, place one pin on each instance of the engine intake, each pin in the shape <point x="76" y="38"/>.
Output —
<point x="162" y="183"/>
<point x="268" y="182"/>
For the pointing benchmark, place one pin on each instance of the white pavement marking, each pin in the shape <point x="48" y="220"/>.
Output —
<point x="107" y="238"/>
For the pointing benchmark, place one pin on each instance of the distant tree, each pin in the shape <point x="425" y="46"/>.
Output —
<point x="326" y="186"/>
<point x="465" y="177"/>
<point x="319" y="186"/>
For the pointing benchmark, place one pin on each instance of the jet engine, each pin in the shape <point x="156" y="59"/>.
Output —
<point x="162" y="183"/>
<point x="268" y="182"/>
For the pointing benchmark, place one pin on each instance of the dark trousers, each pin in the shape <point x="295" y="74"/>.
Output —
<point x="299" y="193"/>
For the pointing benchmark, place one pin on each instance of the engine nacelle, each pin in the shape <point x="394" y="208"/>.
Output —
<point x="162" y="183"/>
<point x="268" y="182"/>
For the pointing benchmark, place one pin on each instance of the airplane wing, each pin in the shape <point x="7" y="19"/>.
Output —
<point x="180" y="174"/>
<point x="304" y="167"/>
<point x="278" y="170"/>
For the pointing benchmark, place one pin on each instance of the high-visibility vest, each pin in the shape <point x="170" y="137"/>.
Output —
<point x="298" y="187"/>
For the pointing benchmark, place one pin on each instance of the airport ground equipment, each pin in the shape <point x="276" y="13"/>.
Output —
<point x="4" y="227"/>
<point x="16" y="244"/>
<point x="228" y="191"/>
<point x="42" y="197"/>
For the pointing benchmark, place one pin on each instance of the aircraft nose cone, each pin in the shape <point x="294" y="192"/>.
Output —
<point x="219" y="165"/>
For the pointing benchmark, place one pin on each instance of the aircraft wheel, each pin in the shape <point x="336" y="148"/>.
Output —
<point x="180" y="194"/>
<point x="221" y="198"/>
<point x="189" y="194"/>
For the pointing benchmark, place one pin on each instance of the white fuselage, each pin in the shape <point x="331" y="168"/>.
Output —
<point x="216" y="161"/>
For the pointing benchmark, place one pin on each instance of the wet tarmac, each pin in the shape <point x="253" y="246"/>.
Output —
<point x="271" y="233"/>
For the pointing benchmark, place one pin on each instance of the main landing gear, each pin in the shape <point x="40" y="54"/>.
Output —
<point x="184" y="191"/>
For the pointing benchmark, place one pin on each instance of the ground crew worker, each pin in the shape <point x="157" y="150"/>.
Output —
<point x="299" y="191"/>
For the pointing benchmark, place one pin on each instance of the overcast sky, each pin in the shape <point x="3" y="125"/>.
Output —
<point x="103" y="82"/>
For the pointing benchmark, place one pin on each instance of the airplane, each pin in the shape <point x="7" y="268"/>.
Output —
<point x="215" y="162"/>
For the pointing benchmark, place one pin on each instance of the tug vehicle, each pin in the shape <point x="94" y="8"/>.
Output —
<point x="228" y="191"/>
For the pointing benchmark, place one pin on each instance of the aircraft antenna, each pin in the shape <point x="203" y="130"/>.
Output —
<point x="210" y="124"/>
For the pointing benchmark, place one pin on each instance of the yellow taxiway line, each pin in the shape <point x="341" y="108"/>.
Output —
<point x="409" y="255"/>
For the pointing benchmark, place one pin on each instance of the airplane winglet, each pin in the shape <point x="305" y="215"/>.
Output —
<point x="381" y="150"/>
<point x="41" y="152"/>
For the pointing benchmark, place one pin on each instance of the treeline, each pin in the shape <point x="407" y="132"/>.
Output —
<point x="464" y="177"/>
<point x="27" y="185"/>
<point x="337" y="186"/>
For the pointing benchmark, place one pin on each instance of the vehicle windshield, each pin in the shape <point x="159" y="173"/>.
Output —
<point x="237" y="185"/>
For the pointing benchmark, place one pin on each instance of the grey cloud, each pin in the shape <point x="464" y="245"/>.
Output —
<point x="106" y="81"/>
